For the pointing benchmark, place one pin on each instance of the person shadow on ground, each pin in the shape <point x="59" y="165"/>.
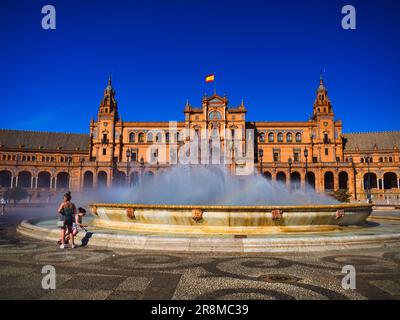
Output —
<point x="86" y="238"/>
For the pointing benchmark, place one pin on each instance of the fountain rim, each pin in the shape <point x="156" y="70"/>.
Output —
<point x="234" y="207"/>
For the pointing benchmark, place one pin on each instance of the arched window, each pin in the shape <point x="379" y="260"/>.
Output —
<point x="159" y="137"/>
<point x="298" y="137"/>
<point x="167" y="137"/>
<point x="149" y="137"/>
<point x="289" y="137"/>
<point x="262" y="137"/>
<point x="141" y="137"/>
<point x="132" y="137"/>
<point x="280" y="137"/>
<point x="270" y="137"/>
<point x="214" y="115"/>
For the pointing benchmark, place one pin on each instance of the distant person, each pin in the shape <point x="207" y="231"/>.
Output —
<point x="68" y="211"/>
<point x="3" y="202"/>
<point x="77" y="224"/>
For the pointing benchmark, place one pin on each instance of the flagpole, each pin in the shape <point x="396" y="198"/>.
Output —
<point x="211" y="78"/>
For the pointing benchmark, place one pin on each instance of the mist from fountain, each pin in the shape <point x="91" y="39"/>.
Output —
<point x="209" y="185"/>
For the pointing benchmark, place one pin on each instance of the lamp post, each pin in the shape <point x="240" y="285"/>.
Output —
<point x="141" y="170"/>
<point x="354" y="177"/>
<point x="290" y="173"/>
<point x="128" y="156"/>
<point x="69" y="159"/>
<point x="157" y="159"/>
<point x="17" y="158"/>
<point x="261" y="154"/>
<point x="306" y="157"/>
<point x="367" y="159"/>
<point x="82" y="177"/>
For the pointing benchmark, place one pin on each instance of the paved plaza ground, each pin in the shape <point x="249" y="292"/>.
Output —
<point x="103" y="273"/>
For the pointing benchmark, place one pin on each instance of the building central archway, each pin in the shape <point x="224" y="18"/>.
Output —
<point x="295" y="181"/>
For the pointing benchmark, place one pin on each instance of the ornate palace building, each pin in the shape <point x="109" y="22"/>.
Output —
<point x="116" y="152"/>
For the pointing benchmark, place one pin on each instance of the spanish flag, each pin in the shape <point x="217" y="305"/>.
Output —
<point x="210" y="78"/>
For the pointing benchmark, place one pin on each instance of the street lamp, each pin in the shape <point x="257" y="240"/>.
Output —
<point x="82" y="176"/>
<point x="69" y="160"/>
<point x="354" y="177"/>
<point x="290" y="173"/>
<point x="156" y="154"/>
<point x="367" y="159"/>
<point x="261" y="154"/>
<point x="306" y="156"/>
<point x="141" y="170"/>
<point x="128" y="156"/>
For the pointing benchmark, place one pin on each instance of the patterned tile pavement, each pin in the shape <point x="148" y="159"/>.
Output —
<point x="103" y="273"/>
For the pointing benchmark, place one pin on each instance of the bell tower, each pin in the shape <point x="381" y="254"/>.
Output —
<point x="326" y="132"/>
<point x="108" y="105"/>
<point x="322" y="103"/>
<point x="103" y="134"/>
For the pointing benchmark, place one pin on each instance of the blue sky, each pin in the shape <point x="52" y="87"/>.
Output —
<point x="268" y="53"/>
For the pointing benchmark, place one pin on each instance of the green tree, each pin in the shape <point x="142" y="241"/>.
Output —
<point x="342" y="195"/>
<point x="16" y="194"/>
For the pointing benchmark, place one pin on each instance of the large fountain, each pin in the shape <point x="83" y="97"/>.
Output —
<point x="207" y="209"/>
<point x="210" y="200"/>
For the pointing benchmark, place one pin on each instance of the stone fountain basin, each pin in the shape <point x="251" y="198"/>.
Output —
<point x="238" y="220"/>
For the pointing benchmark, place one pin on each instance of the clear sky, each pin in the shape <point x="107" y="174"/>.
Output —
<point x="268" y="53"/>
